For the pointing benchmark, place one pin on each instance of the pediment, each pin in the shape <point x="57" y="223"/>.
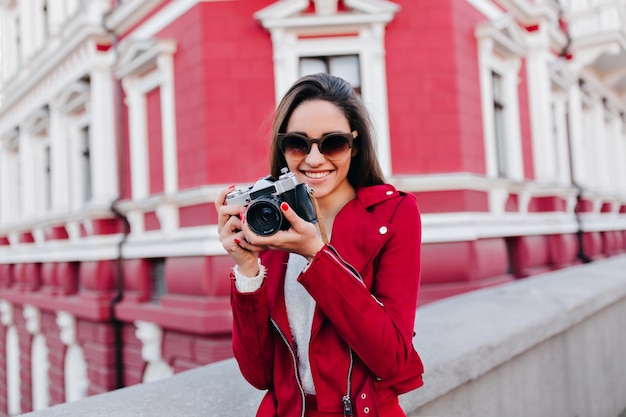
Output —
<point x="10" y="142"/>
<point x="285" y="9"/>
<point x="506" y="34"/>
<point x="38" y="123"/>
<point x="136" y="56"/>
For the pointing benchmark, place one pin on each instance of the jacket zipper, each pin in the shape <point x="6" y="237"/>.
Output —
<point x="295" y="364"/>
<point x="351" y="269"/>
<point x="345" y="264"/>
<point x="347" y="405"/>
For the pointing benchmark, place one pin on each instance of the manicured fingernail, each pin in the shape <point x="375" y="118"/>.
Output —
<point x="231" y="187"/>
<point x="284" y="206"/>
<point x="237" y="241"/>
<point x="242" y="216"/>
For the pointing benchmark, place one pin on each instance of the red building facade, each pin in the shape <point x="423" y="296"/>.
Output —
<point x="121" y="121"/>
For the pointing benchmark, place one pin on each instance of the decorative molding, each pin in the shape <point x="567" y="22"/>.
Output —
<point x="75" y="98"/>
<point x="505" y="33"/>
<point x="138" y="56"/>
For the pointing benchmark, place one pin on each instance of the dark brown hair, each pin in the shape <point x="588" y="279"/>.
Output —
<point x="364" y="168"/>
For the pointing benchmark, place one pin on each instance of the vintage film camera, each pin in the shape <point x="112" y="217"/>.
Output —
<point x="263" y="199"/>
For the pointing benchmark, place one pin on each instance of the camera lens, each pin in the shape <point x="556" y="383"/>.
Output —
<point x="264" y="217"/>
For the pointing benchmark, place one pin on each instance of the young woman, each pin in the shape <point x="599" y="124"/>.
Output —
<point x="327" y="328"/>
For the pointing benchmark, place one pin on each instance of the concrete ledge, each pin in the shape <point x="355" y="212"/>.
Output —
<point x="548" y="345"/>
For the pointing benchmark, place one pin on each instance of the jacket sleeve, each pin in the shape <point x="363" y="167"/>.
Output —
<point x="379" y="326"/>
<point x="252" y="340"/>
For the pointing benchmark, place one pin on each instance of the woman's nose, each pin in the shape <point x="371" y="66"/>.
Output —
<point x="315" y="157"/>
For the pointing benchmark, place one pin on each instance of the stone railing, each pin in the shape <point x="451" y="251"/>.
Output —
<point x="550" y="345"/>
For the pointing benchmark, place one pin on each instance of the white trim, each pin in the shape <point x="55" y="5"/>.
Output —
<point x="487" y="8"/>
<point x="131" y="12"/>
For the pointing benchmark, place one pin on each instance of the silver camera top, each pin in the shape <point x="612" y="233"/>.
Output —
<point x="286" y="182"/>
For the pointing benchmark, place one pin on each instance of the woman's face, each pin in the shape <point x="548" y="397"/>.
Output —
<point x="327" y="177"/>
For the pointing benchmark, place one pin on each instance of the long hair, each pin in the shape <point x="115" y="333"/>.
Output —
<point x="364" y="167"/>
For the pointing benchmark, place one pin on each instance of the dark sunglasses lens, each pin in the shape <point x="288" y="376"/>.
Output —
<point x="294" y="146"/>
<point x="334" y="145"/>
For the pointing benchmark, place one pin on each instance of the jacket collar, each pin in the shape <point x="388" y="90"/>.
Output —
<point x="376" y="194"/>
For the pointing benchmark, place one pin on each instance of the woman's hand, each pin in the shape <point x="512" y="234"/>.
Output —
<point x="302" y="237"/>
<point x="229" y="229"/>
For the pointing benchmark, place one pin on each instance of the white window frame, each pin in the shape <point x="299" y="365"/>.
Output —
<point x="500" y="48"/>
<point x="143" y="67"/>
<point x="361" y="32"/>
<point x="74" y="108"/>
<point x="563" y="141"/>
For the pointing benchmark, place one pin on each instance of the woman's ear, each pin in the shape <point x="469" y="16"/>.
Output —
<point x="355" y="151"/>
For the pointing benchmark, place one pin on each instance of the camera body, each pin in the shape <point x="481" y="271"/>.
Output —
<point x="263" y="200"/>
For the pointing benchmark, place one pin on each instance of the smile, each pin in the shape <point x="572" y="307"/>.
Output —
<point x="316" y="175"/>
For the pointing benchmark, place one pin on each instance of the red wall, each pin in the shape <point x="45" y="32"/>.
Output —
<point x="224" y="92"/>
<point x="434" y="90"/>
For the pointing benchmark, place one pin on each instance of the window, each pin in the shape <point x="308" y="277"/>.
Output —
<point x="157" y="279"/>
<point x="499" y="123"/>
<point x="344" y="66"/>
<point x="85" y="156"/>
<point x="349" y="44"/>
<point x="500" y="48"/>
<point x="48" y="176"/>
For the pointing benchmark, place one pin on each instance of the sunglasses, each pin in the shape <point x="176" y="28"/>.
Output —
<point x="331" y="145"/>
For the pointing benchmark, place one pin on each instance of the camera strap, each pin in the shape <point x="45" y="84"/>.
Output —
<point x="320" y="221"/>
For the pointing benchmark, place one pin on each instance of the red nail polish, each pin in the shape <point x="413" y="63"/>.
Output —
<point x="237" y="241"/>
<point x="231" y="187"/>
<point x="284" y="206"/>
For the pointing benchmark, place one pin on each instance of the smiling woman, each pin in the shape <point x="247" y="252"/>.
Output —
<point x="326" y="327"/>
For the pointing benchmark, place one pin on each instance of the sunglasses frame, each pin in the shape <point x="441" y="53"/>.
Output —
<point x="349" y="137"/>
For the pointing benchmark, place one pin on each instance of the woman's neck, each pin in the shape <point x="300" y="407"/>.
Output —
<point x="330" y="205"/>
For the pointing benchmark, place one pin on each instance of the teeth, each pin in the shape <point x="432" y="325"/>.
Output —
<point x="317" y="174"/>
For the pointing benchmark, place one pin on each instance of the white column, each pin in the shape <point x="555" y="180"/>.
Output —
<point x="576" y="135"/>
<point x="168" y="124"/>
<point x="562" y="151"/>
<point x="598" y="141"/>
<point x="539" y="104"/>
<point x="27" y="31"/>
<point x="620" y="157"/>
<point x="614" y="162"/>
<point x="5" y="208"/>
<point x="75" y="178"/>
<point x="374" y="77"/>
<point x="27" y="176"/>
<point x="39" y="191"/>
<point x="102" y="140"/>
<point x="136" y="103"/>
<point x="59" y="161"/>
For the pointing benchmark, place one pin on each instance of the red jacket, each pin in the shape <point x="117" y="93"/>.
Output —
<point x="365" y="285"/>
